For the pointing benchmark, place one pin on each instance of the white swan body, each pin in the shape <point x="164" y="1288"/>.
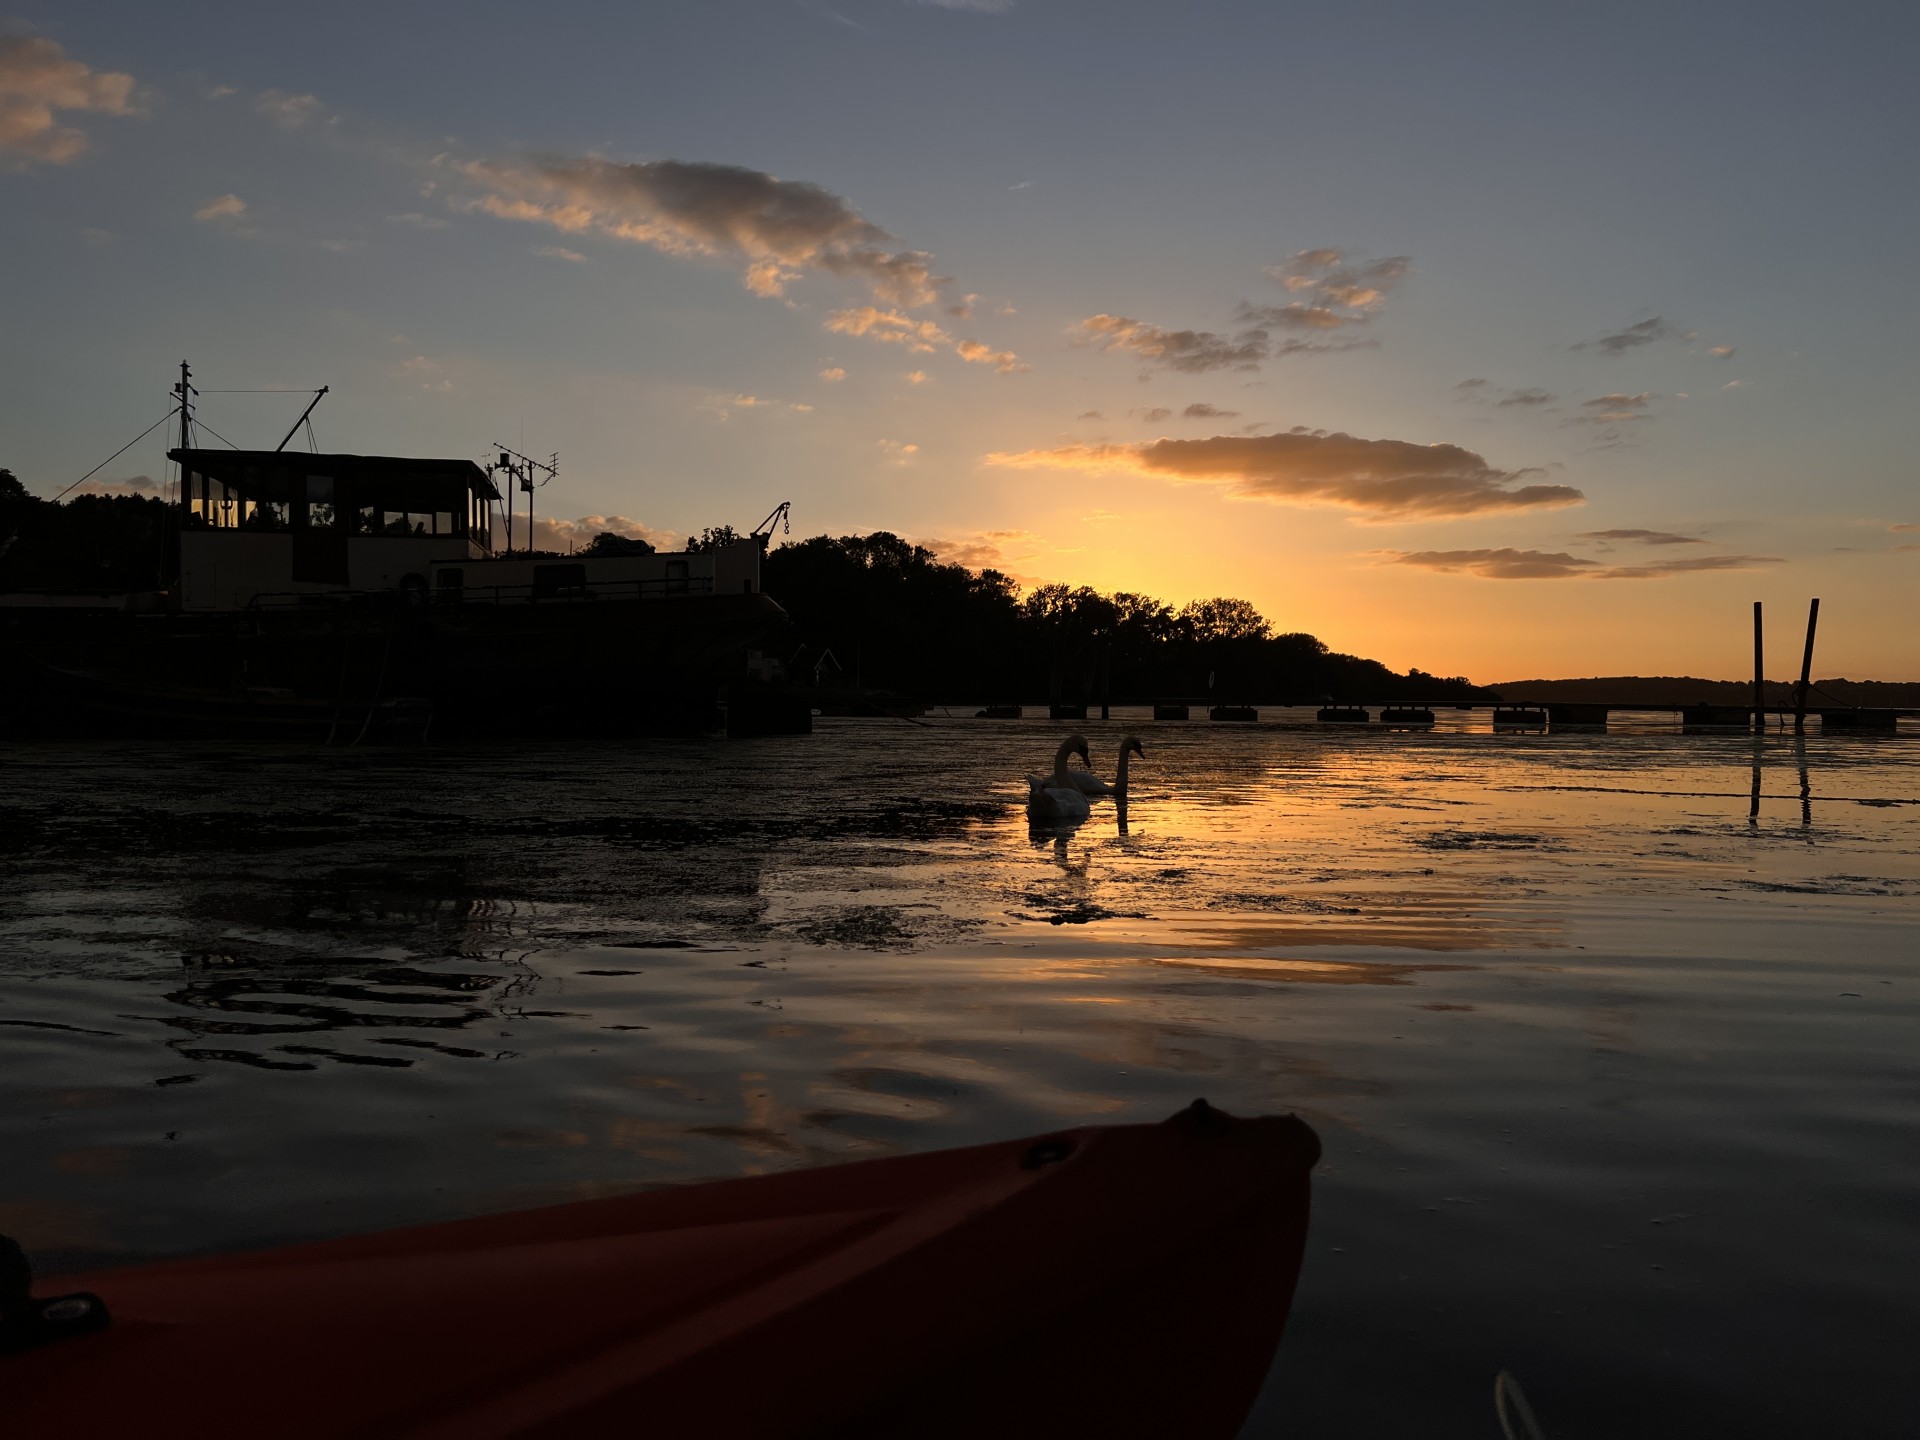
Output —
<point x="1055" y="796"/>
<point x="1054" y="802"/>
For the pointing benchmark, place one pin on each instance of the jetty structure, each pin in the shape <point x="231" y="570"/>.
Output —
<point x="342" y="598"/>
<point x="1542" y="713"/>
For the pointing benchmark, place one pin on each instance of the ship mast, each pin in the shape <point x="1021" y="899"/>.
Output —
<point x="186" y="392"/>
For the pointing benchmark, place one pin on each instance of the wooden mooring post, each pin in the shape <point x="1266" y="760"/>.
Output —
<point x="1806" y="671"/>
<point x="1759" y="674"/>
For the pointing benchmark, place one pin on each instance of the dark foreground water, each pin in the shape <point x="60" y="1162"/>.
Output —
<point x="1617" y="1082"/>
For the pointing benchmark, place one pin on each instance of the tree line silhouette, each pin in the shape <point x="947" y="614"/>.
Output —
<point x="892" y="616"/>
<point x="869" y="611"/>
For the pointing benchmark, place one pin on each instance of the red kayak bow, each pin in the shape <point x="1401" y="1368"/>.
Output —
<point x="1108" y="1281"/>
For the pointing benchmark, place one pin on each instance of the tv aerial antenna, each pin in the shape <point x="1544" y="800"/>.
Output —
<point x="528" y="475"/>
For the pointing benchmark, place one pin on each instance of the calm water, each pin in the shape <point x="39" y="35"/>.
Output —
<point x="1616" y="1083"/>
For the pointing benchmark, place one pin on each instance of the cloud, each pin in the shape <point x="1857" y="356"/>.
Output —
<point x="563" y="535"/>
<point x="1485" y="392"/>
<point x="898" y="452"/>
<point x="1152" y="416"/>
<point x="1192" y="351"/>
<point x="1200" y="410"/>
<point x="560" y="252"/>
<point x="418" y="221"/>
<point x="1614" y="409"/>
<point x="221" y="207"/>
<point x="922" y="337"/>
<point x="426" y="373"/>
<point x="892" y="326"/>
<point x="1528" y="395"/>
<point x="293" y="112"/>
<point x="976" y="352"/>
<point x="833" y="374"/>
<point x="1090" y="415"/>
<point x="1382" y="480"/>
<point x="777" y="229"/>
<point x="1334" y="290"/>
<point x="750" y="402"/>
<point x="132" y="485"/>
<point x="982" y="7"/>
<point x="1720" y="352"/>
<point x="37" y="79"/>
<point x="915" y="377"/>
<point x="1900" y="527"/>
<point x="1001" y="550"/>
<point x="1643" y="332"/>
<point x="1509" y="564"/>
<point x="1641" y="537"/>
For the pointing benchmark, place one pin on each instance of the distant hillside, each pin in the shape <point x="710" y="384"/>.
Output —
<point x="1661" y="690"/>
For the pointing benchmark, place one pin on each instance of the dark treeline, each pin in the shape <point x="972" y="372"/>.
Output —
<point x="106" y="543"/>
<point x="894" y="617"/>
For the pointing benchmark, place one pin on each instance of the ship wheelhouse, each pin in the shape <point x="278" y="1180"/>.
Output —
<point x="255" y="523"/>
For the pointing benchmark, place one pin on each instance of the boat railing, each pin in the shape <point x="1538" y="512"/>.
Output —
<point x="540" y="593"/>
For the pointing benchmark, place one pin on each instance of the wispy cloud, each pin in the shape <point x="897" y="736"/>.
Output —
<point x="560" y="252"/>
<point x="1641" y="537"/>
<point x="1632" y="337"/>
<point x="565" y="535"/>
<point x="1615" y="409"/>
<point x="834" y="374"/>
<point x="983" y="7"/>
<point x="293" y="112"/>
<point x="36" y="80"/>
<point x="1201" y="410"/>
<point x="1519" y="397"/>
<point x="1720" y="352"/>
<point x="221" y="207"/>
<point x="1334" y="290"/>
<point x="1192" y="351"/>
<point x="415" y="220"/>
<point x="1510" y="564"/>
<point x="894" y="327"/>
<point x="977" y="352"/>
<point x="1381" y="480"/>
<point x="1000" y="550"/>
<point x="775" y="229"/>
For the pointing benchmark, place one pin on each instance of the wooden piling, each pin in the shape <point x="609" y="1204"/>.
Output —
<point x="1759" y="674"/>
<point x="1806" y="671"/>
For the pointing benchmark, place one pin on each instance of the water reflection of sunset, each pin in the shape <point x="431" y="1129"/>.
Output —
<point x="1421" y="942"/>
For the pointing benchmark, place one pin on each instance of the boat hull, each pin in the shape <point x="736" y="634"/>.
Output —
<point x="1113" y="1281"/>
<point x="380" y="669"/>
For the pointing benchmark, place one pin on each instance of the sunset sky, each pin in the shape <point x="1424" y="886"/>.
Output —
<point x="1496" y="339"/>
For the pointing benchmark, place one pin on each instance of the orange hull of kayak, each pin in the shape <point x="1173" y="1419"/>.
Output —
<point x="1107" y="1281"/>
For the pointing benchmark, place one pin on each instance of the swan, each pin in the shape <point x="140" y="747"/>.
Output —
<point x="1088" y="783"/>
<point x="1055" y="797"/>
<point x="1085" y="781"/>
<point x="1129" y="746"/>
